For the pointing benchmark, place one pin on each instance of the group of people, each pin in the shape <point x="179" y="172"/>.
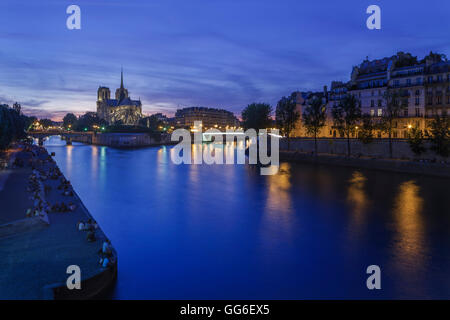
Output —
<point x="42" y="172"/>
<point x="90" y="226"/>
<point x="66" y="187"/>
<point x="63" y="207"/>
<point x="106" y="254"/>
<point x="41" y="207"/>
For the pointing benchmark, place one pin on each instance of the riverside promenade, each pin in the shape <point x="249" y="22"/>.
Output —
<point x="36" y="251"/>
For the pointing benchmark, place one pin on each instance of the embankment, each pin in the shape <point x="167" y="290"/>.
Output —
<point x="368" y="156"/>
<point x="35" y="255"/>
<point x="124" y="140"/>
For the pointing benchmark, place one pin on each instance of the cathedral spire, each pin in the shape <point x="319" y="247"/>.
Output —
<point x="121" y="78"/>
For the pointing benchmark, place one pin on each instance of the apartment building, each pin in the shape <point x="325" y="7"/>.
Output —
<point x="210" y="117"/>
<point x="423" y="88"/>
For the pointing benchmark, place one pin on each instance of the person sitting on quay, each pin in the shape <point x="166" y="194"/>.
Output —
<point x="90" y="225"/>
<point x="106" y="262"/>
<point x="80" y="225"/>
<point x="60" y="207"/>
<point x="68" y="193"/>
<point x="72" y="206"/>
<point x="107" y="248"/>
<point x="90" y="236"/>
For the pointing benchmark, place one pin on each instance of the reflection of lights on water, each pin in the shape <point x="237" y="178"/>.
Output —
<point x="94" y="161"/>
<point x="407" y="213"/>
<point x="279" y="185"/>
<point x="102" y="152"/>
<point x="278" y="212"/>
<point x="357" y="197"/>
<point x="69" y="149"/>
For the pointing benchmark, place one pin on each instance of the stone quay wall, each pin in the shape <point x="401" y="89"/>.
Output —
<point x="123" y="140"/>
<point x="369" y="156"/>
<point x="379" y="148"/>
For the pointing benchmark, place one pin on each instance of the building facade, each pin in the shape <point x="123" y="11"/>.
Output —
<point x="122" y="109"/>
<point x="210" y="117"/>
<point x="423" y="88"/>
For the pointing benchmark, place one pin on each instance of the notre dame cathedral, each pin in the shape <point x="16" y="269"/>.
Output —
<point x="122" y="109"/>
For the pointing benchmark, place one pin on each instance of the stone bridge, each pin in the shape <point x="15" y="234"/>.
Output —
<point x="69" y="136"/>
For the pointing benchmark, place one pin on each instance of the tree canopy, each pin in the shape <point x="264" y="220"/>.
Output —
<point x="287" y="115"/>
<point x="257" y="116"/>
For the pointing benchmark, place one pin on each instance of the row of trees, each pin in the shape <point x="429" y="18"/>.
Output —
<point x="13" y="124"/>
<point x="88" y="121"/>
<point x="349" y="121"/>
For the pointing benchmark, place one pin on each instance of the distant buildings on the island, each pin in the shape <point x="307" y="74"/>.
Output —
<point x="210" y="118"/>
<point x="423" y="87"/>
<point x="123" y="110"/>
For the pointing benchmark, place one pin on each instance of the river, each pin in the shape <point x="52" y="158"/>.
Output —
<point x="226" y="232"/>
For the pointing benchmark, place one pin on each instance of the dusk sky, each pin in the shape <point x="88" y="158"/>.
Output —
<point x="212" y="53"/>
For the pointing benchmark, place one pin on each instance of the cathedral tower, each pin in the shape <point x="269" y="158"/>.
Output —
<point x="103" y="94"/>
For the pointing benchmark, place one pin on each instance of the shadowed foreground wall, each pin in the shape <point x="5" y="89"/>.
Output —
<point x="379" y="148"/>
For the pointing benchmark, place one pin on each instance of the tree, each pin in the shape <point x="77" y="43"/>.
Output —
<point x="415" y="141"/>
<point x="440" y="135"/>
<point x="257" y="116"/>
<point x="346" y="116"/>
<point x="152" y="122"/>
<point x="46" y="123"/>
<point x="6" y="129"/>
<point x="88" y="121"/>
<point x="365" y="132"/>
<point x="391" y="112"/>
<point x="69" y="121"/>
<point x="29" y="122"/>
<point x="12" y="125"/>
<point x="287" y="115"/>
<point x="314" y="117"/>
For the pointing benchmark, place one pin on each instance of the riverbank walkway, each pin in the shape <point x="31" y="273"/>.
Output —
<point x="34" y="255"/>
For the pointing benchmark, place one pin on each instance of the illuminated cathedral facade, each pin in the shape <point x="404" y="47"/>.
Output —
<point x="121" y="110"/>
